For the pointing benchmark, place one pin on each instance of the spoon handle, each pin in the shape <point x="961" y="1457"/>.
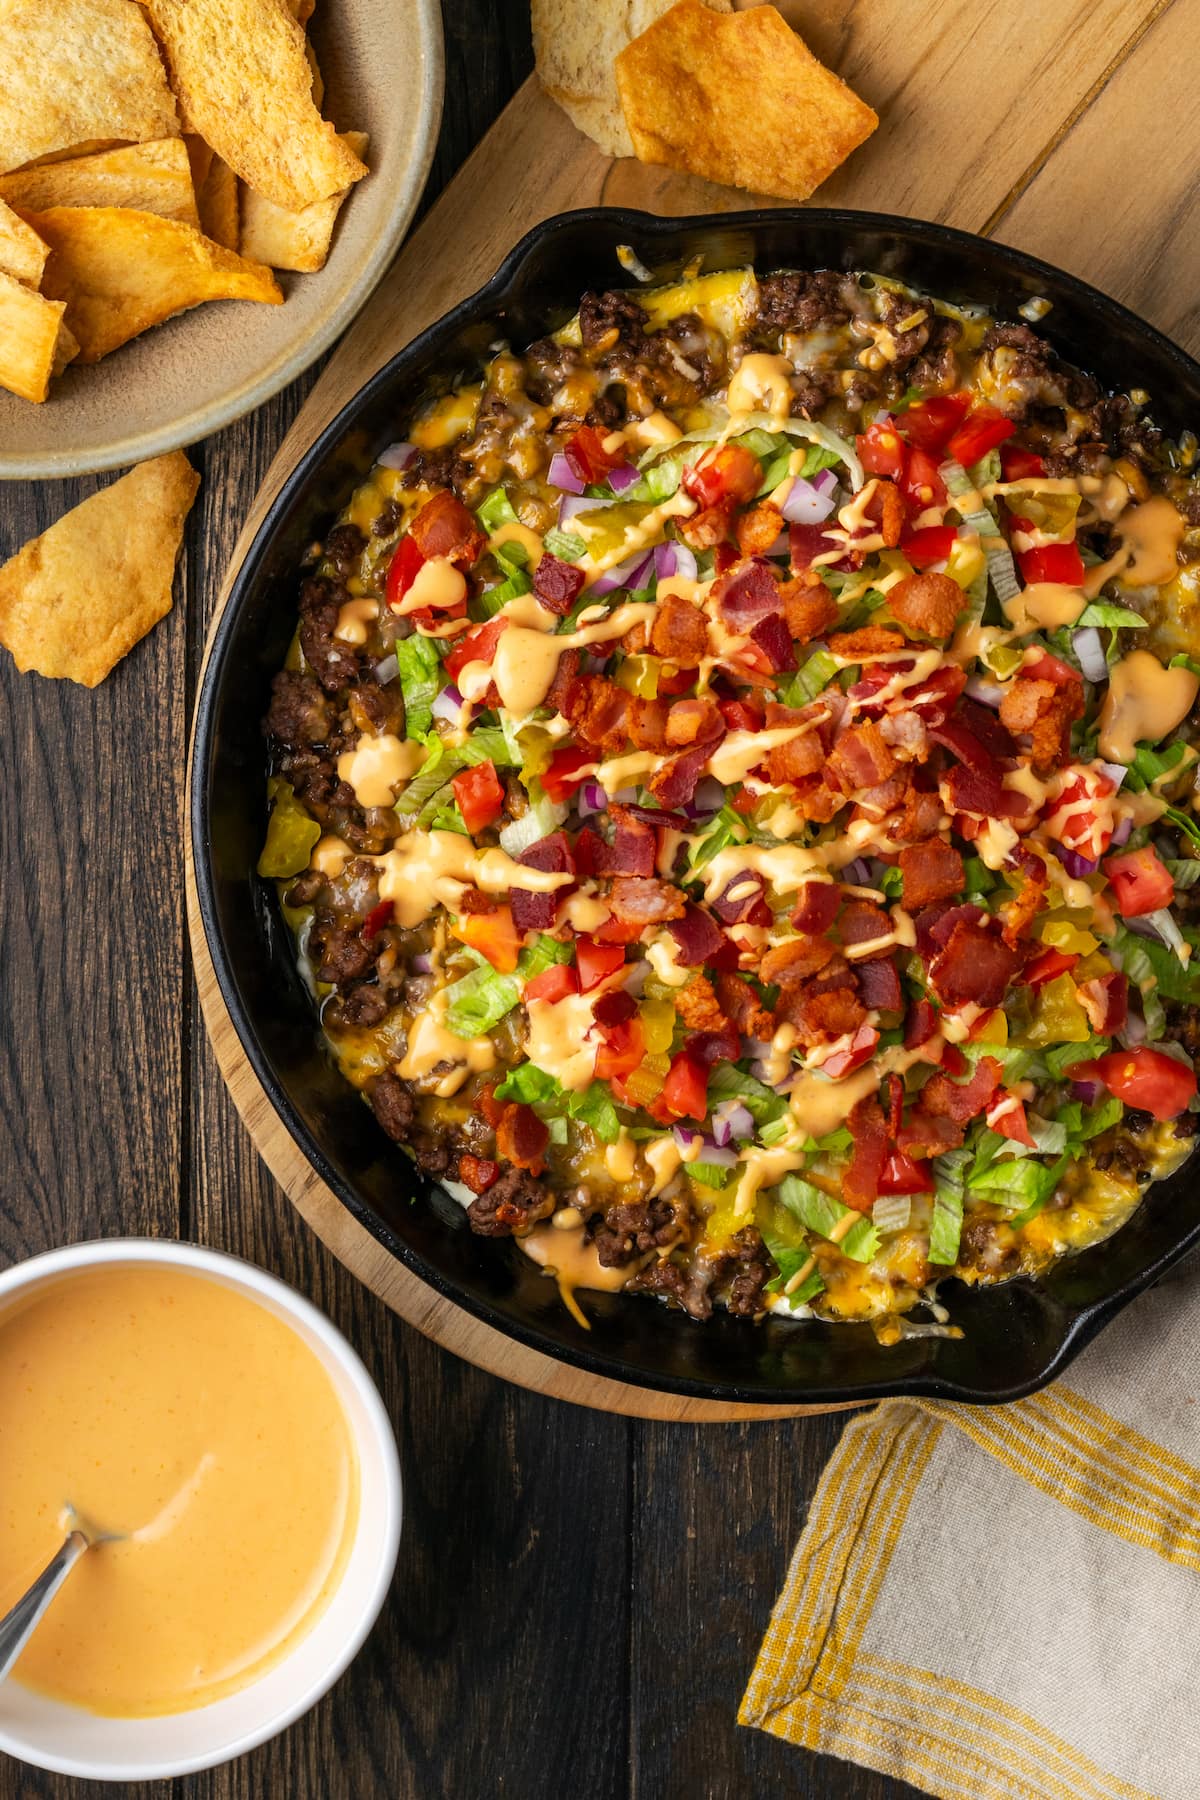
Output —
<point x="18" y="1624"/>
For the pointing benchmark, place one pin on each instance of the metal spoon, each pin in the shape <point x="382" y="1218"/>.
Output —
<point x="21" y="1621"/>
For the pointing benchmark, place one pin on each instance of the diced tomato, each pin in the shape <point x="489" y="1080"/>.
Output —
<point x="685" y="1091"/>
<point x="618" y="931"/>
<point x="1047" y="967"/>
<point x="729" y="473"/>
<point x="920" y="482"/>
<point x="739" y="715"/>
<point x="587" y="456"/>
<point x="564" y="773"/>
<point x="744" y="801"/>
<point x="596" y="962"/>
<point x="1051" y="668"/>
<point x="1144" y="1078"/>
<point x="953" y="1060"/>
<point x="931" y="545"/>
<point x="982" y="430"/>
<point x="494" y="935"/>
<point x="1052" y="562"/>
<point x="880" y="449"/>
<point x="480" y="795"/>
<point x="621" y="1051"/>
<point x="1006" y="1115"/>
<point x="930" y="423"/>
<point x="678" y="683"/>
<point x="1140" y="881"/>
<point x="1018" y="464"/>
<point x="858" y="1051"/>
<point x="376" y="919"/>
<point x="402" y="570"/>
<point x="1075" y="818"/>
<point x="478" y="645"/>
<point x="902" y="1175"/>
<point x="554" y="983"/>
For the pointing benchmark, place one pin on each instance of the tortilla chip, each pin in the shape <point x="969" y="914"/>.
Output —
<point x="576" y="43"/>
<point x="739" y="100"/>
<point x="78" y="72"/>
<point x="218" y="203"/>
<point x="121" y="272"/>
<point x="154" y="177"/>
<point x="29" y="325"/>
<point x="22" y="252"/>
<point x="318" y="80"/>
<point x="243" y="79"/>
<point x="74" y="601"/>
<point x="66" y="349"/>
<point x="301" y="10"/>
<point x="293" y="240"/>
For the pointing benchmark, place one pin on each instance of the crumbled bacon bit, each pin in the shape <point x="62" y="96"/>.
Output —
<point x="637" y="900"/>
<point x="444" y="527"/>
<point x="975" y="966"/>
<point x="743" y="1008"/>
<point x="868" y="1128"/>
<point x="521" y="1138"/>
<point x="698" y="1006"/>
<point x="694" y="721"/>
<point x="808" y="609"/>
<point x="962" y="1100"/>
<point x="679" y="630"/>
<point x="872" y="640"/>
<point x="930" y="871"/>
<point x="796" y="958"/>
<point x="928" y="602"/>
<point x="758" y="529"/>
<point x="1044" y="712"/>
<point x="861" y="758"/>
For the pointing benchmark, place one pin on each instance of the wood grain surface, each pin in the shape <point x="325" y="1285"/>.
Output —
<point x="579" y="1596"/>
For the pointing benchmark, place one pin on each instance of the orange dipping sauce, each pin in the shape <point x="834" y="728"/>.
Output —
<point x="187" y="1416"/>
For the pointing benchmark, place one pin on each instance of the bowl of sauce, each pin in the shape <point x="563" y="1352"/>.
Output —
<point x="235" y="1447"/>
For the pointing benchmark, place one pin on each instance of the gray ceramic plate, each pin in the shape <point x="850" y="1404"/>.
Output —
<point x="382" y="64"/>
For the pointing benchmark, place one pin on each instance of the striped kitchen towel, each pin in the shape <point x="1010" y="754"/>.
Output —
<point x="1003" y="1603"/>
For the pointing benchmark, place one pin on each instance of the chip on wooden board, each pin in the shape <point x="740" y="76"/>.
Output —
<point x="29" y="335"/>
<point x="241" y="71"/>
<point x="576" y="43"/>
<point x="78" y="72"/>
<point x="154" y="177"/>
<point x="76" y="599"/>
<point x="22" y="252"/>
<point x="738" y="99"/>
<point x="293" y="240"/>
<point x="120" y="272"/>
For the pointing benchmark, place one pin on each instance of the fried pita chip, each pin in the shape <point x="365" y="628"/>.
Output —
<point x="739" y="100"/>
<point x="217" y="200"/>
<point x="22" y="252"/>
<point x="240" y="69"/>
<point x="153" y="177"/>
<point x="120" y="272"/>
<point x="576" y="43"/>
<point x="66" y="349"/>
<point x="78" y="72"/>
<point x="74" y="601"/>
<point x="29" y="325"/>
<point x="318" y="80"/>
<point x="293" y="240"/>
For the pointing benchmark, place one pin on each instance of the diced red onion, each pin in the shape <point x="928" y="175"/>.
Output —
<point x="712" y="1152"/>
<point x="636" y="976"/>
<point x="571" y="505"/>
<point x="708" y="798"/>
<point x="397" y="456"/>
<point x="1088" y="1091"/>
<point x="686" y="1135"/>
<point x="626" y="796"/>
<point x="686" y="566"/>
<point x="1162" y="923"/>
<point x="624" y="477"/>
<point x="563" y="476"/>
<point x="806" y="504"/>
<point x="448" y="706"/>
<point x="591" y="798"/>
<point x="1115" y="771"/>
<point x="1135" y="1027"/>
<point x="858" y="873"/>
<point x="882" y="417"/>
<point x="825" y="481"/>
<point x="988" y="693"/>
<point x="1090" y="652"/>
<point x="733" y="1123"/>
<point x="781" y="547"/>
<point x="665" y="561"/>
<point x="387" y="670"/>
<point x="1076" y="866"/>
<point x="422" y="963"/>
<point x="631" y="573"/>
<point x="1123" y="832"/>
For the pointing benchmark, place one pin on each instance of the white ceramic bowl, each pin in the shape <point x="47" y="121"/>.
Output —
<point x="73" y="1742"/>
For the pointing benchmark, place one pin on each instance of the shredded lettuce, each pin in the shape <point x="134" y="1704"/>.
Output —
<point x="714" y="1175"/>
<point x="542" y="954"/>
<point x="494" y="510"/>
<point x="1064" y="1056"/>
<point x="1185" y="870"/>
<point x="1117" y="618"/>
<point x="421" y="681"/>
<point x="1156" y="969"/>
<point x="512" y="559"/>
<point x="568" y="546"/>
<point x="424" y="790"/>
<point x="725" y="829"/>
<point x="528" y="1084"/>
<point x="1018" y="1183"/>
<point x="811" y="679"/>
<point x="821" y="1213"/>
<point x="891" y="1213"/>
<point x="945" y="1226"/>
<point x="727" y="1082"/>
<point x="594" y="1107"/>
<point x="790" y="1259"/>
<point x="479" y="1001"/>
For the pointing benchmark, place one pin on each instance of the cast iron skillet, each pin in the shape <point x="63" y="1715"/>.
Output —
<point x="1018" y="1335"/>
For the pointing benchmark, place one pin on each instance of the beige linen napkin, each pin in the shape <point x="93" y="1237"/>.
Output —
<point x="1003" y="1603"/>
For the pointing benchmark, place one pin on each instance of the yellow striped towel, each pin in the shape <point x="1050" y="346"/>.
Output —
<point x="1003" y="1603"/>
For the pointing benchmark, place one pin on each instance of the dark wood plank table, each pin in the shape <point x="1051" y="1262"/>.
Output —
<point x="579" y="1597"/>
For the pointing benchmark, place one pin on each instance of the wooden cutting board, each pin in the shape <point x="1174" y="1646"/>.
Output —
<point x="1070" y="129"/>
